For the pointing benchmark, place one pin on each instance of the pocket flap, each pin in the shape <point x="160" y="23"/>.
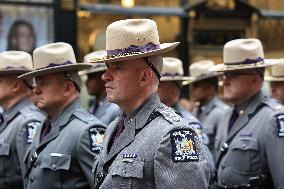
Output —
<point x="128" y="168"/>
<point x="4" y="149"/>
<point x="56" y="161"/>
<point x="245" y="144"/>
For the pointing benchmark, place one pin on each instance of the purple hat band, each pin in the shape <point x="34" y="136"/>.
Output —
<point x="11" y="68"/>
<point x="247" y="61"/>
<point x="55" y="65"/>
<point x="133" y="49"/>
<point x="167" y="74"/>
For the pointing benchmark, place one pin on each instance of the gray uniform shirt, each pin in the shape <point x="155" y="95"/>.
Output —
<point x="257" y="144"/>
<point x="65" y="157"/>
<point x="16" y="134"/>
<point x="146" y="154"/>
<point x="107" y="111"/>
<point x="210" y="118"/>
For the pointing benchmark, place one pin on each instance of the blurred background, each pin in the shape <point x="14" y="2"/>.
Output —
<point x="202" y="26"/>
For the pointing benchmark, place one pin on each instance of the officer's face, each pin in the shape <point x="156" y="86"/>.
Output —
<point x="123" y="81"/>
<point x="238" y="86"/>
<point x="168" y="92"/>
<point x="277" y="90"/>
<point x="49" y="92"/>
<point x="200" y="90"/>
<point x="7" y="86"/>
<point x="95" y="84"/>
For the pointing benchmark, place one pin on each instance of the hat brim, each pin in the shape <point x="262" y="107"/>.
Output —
<point x="224" y="67"/>
<point x="44" y="71"/>
<point x="271" y="78"/>
<point x="174" y="78"/>
<point x="205" y="77"/>
<point x="10" y="72"/>
<point x="92" y="70"/>
<point x="164" y="47"/>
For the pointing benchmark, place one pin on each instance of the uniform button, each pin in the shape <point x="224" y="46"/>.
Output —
<point x="53" y="166"/>
<point x="124" y="171"/>
<point x="35" y="164"/>
<point x="223" y="181"/>
<point x="32" y="179"/>
<point x="223" y="166"/>
<point x="244" y="145"/>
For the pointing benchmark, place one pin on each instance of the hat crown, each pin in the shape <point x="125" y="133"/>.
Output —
<point x="278" y="69"/>
<point x="200" y="68"/>
<point x="172" y="67"/>
<point x="53" y="54"/>
<point x="138" y="32"/>
<point x="15" y="60"/>
<point x="239" y="51"/>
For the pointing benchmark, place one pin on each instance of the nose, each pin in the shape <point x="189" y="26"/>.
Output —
<point x="106" y="76"/>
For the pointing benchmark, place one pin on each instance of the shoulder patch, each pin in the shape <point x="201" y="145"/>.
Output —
<point x="96" y="136"/>
<point x="280" y="123"/>
<point x="183" y="145"/>
<point x="31" y="130"/>
<point x="169" y="114"/>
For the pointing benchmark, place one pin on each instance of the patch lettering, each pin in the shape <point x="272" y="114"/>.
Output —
<point x="129" y="155"/>
<point x="31" y="131"/>
<point x="183" y="146"/>
<point x="96" y="139"/>
<point x="280" y="123"/>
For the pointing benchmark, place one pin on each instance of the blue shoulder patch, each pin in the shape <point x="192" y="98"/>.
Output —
<point x="96" y="136"/>
<point x="31" y="130"/>
<point x="280" y="123"/>
<point x="183" y="145"/>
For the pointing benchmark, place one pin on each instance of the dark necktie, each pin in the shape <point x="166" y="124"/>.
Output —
<point x="95" y="107"/>
<point x="119" y="130"/>
<point x="233" y="118"/>
<point x="1" y="119"/>
<point x="45" y="130"/>
<point x="199" y="111"/>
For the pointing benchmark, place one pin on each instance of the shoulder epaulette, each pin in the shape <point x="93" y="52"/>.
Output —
<point x="86" y="116"/>
<point x="168" y="113"/>
<point x="273" y="104"/>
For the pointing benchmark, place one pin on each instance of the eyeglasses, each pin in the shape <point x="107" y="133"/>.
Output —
<point x="230" y="75"/>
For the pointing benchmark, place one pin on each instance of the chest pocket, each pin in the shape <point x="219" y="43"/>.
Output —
<point x="4" y="153"/>
<point x="55" y="161"/>
<point x="245" y="156"/>
<point x="128" y="173"/>
<point x="4" y="149"/>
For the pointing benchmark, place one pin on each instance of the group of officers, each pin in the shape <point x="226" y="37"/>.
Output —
<point x="136" y="134"/>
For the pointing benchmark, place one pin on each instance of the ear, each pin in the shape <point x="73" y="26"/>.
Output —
<point x="69" y="88"/>
<point x="146" y="77"/>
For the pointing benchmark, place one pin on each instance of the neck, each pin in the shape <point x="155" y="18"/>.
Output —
<point x="131" y="105"/>
<point x="11" y="102"/>
<point x="60" y="107"/>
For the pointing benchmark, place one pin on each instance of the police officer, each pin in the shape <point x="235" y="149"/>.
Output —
<point x="149" y="146"/>
<point x="276" y="79"/>
<point x="170" y="88"/>
<point x="250" y="139"/>
<point x="204" y="89"/>
<point x="100" y="106"/>
<point x="62" y="153"/>
<point x="20" y="119"/>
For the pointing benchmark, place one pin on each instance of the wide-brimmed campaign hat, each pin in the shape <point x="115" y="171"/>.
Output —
<point x="276" y="72"/>
<point x="98" y="67"/>
<point x="54" y="57"/>
<point x="173" y="70"/>
<point x="15" y="62"/>
<point x="131" y="39"/>
<point x="241" y="54"/>
<point x="200" y="71"/>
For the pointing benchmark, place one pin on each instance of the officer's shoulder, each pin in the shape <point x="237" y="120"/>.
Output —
<point x="221" y="105"/>
<point x="273" y="105"/>
<point x="86" y="117"/>
<point x="32" y="112"/>
<point x="168" y="114"/>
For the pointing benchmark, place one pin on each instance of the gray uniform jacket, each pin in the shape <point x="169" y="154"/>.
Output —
<point x="257" y="145"/>
<point x="210" y="118"/>
<point x="65" y="157"/>
<point x="107" y="111"/>
<point x="16" y="134"/>
<point x="147" y="153"/>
